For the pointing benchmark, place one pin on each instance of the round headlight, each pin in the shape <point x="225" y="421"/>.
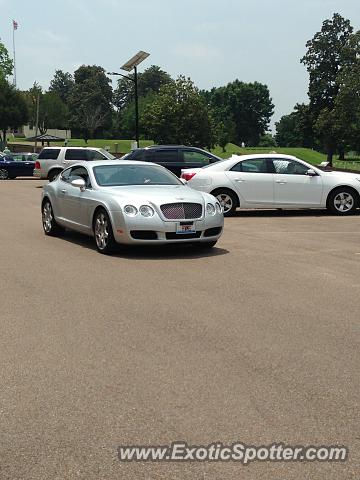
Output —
<point x="130" y="210"/>
<point x="210" y="209"/>
<point x="218" y="207"/>
<point x="146" y="211"/>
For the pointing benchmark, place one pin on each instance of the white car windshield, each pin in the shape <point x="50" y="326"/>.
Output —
<point x="120" y="175"/>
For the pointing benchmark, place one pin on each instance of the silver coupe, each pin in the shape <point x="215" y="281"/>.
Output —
<point x="129" y="202"/>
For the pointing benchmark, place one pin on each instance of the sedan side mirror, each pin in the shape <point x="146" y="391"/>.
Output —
<point x="80" y="183"/>
<point x="311" y="173"/>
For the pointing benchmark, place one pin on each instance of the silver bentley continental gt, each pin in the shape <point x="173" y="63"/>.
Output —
<point x="129" y="202"/>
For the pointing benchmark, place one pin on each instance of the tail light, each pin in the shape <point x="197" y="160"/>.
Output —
<point x="37" y="165"/>
<point x="188" y="175"/>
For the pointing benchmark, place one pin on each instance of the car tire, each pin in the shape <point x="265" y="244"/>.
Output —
<point x="4" y="174"/>
<point x="53" y="174"/>
<point x="206" y="245"/>
<point x="343" y="201"/>
<point x="103" y="232"/>
<point x="227" y="200"/>
<point x="50" y="226"/>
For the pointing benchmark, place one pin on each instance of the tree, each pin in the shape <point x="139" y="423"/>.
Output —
<point x="327" y="54"/>
<point x="247" y="105"/>
<point x="295" y="129"/>
<point x="13" y="108"/>
<point x="90" y="100"/>
<point x="62" y="84"/>
<point x="267" y="140"/>
<point x="150" y="81"/>
<point x="179" y="114"/>
<point x="53" y="113"/>
<point x="6" y="64"/>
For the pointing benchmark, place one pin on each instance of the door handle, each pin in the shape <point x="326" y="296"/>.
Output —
<point x="63" y="191"/>
<point x="282" y="182"/>
<point x="239" y="180"/>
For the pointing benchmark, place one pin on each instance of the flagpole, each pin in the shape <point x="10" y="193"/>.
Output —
<point x="14" y="54"/>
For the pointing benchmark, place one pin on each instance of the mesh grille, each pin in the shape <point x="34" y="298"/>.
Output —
<point x="181" y="211"/>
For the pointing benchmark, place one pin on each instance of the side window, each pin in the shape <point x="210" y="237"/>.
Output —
<point x="289" y="167"/>
<point x="194" y="157"/>
<point x="65" y="175"/>
<point x="136" y="155"/>
<point x="79" y="172"/>
<point x="257" y="165"/>
<point x="49" y="153"/>
<point x="95" y="155"/>
<point x="76" y="154"/>
<point x="164" y="156"/>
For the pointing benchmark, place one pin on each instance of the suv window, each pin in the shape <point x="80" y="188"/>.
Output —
<point x="76" y="154"/>
<point x="49" y="153"/>
<point x="192" y="156"/>
<point x="162" y="156"/>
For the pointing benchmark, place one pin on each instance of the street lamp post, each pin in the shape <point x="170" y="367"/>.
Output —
<point x="128" y="66"/>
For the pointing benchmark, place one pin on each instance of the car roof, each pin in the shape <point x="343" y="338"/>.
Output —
<point x="102" y="163"/>
<point x="75" y="148"/>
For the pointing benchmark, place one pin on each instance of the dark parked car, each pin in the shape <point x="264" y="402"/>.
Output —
<point x="173" y="157"/>
<point x="14" y="165"/>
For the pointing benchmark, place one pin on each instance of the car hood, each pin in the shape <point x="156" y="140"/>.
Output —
<point x="157" y="194"/>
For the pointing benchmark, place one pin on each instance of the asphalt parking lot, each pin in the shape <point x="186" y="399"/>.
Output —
<point x="256" y="341"/>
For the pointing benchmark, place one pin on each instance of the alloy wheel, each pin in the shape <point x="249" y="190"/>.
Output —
<point x="4" y="174"/>
<point x="344" y="202"/>
<point x="101" y="231"/>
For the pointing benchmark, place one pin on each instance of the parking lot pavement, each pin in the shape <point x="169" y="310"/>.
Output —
<point x="254" y="342"/>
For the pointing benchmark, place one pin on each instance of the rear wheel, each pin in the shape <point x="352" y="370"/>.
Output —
<point x="227" y="200"/>
<point x="4" y="174"/>
<point x="104" y="236"/>
<point x="342" y="201"/>
<point x="50" y="226"/>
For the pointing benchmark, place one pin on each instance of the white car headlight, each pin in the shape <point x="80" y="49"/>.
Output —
<point x="130" y="210"/>
<point x="210" y="209"/>
<point x="218" y="207"/>
<point x="146" y="211"/>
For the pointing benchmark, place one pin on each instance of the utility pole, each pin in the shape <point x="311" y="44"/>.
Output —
<point x="15" y="27"/>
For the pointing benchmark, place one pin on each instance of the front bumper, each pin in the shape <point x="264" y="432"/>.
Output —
<point x="159" y="232"/>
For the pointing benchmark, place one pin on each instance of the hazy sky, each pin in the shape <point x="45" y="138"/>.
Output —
<point x="212" y="42"/>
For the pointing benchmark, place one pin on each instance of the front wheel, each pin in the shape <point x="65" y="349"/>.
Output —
<point x="50" y="226"/>
<point x="104" y="236"/>
<point x="342" y="201"/>
<point x="4" y="174"/>
<point x="227" y="201"/>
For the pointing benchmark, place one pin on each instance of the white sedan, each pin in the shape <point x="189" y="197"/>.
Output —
<point x="275" y="181"/>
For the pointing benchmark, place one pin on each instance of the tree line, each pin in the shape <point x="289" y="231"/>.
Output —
<point x="175" y="111"/>
<point x="330" y="121"/>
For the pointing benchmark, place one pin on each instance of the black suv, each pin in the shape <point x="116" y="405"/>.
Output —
<point x="173" y="157"/>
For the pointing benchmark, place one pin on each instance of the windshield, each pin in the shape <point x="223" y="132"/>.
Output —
<point x="120" y="175"/>
<point x="107" y="154"/>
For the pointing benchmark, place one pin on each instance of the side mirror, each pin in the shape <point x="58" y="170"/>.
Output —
<point x="311" y="173"/>
<point x="80" y="183"/>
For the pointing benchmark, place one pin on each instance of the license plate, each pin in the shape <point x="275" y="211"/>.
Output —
<point x="188" y="228"/>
